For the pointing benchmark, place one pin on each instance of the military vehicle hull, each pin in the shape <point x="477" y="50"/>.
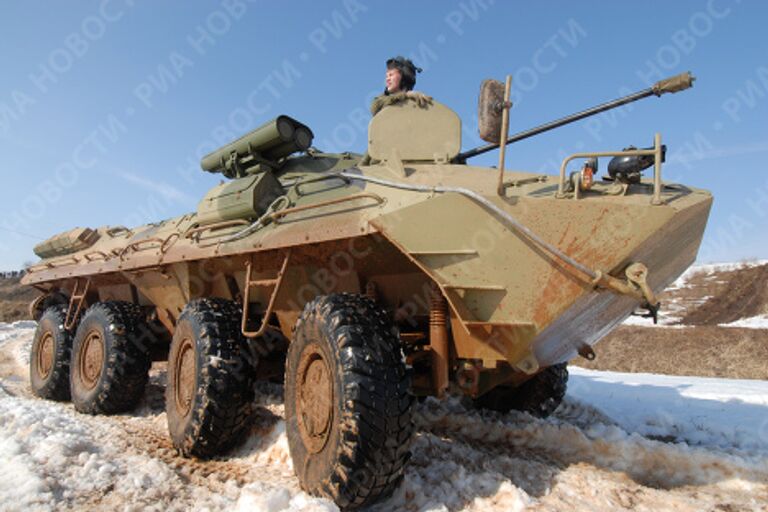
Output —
<point x="361" y="281"/>
<point x="493" y="278"/>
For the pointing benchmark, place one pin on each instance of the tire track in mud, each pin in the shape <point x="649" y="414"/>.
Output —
<point x="145" y="439"/>
<point x="8" y="375"/>
<point x="149" y="435"/>
<point x="14" y="365"/>
<point x="143" y="432"/>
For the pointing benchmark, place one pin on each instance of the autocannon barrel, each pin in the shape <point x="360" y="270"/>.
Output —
<point x="673" y="84"/>
<point x="269" y="142"/>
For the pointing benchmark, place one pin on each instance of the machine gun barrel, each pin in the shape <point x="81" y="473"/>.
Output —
<point x="670" y="85"/>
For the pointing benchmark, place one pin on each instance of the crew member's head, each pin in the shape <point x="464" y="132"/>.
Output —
<point x="401" y="75"/>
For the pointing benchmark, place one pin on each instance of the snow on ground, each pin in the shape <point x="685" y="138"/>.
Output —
<point x="53" y="458"/>
<point x="729" y="414"/>
<point x="666" y="320"/>
<point x="754" y="322"/>
<point x="618" y="442"/>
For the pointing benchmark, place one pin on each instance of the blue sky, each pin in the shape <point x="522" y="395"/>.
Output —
<point x="106" y="106"/>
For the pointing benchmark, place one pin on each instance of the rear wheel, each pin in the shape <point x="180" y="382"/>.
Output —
<point x="110" y="359"/>
<point x="539" y="396"/>
<point x="347" y="401"/>
<point x="50" y="356"/>
<point x="208" y="399"/>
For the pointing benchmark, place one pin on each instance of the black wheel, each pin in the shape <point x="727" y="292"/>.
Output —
<point x="348" y="406"/>
<point x="208" y="399"/>
<point x="44" y="302"/>
<point x="50" y="356"/>
<point x="539" y="396"/>
<point x="110" y="359"/>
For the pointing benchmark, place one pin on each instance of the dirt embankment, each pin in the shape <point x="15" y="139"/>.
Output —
<point x="695" y="342"/>
<point x="15" y="299"/>
<point x="734" y="295"/>
<point x="705" y="351"/>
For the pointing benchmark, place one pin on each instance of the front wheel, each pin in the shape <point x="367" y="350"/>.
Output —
<point x="348" y="407"/>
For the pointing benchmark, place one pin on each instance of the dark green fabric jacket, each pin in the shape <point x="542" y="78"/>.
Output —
<point x="385" y="100"/>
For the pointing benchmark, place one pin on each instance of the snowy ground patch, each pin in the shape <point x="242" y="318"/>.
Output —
<point x="754" y="322"/>
<point x="54" y="458"/>
<point x="618" y="442"/>
<point x="9" y="332"/>
<point x="724" y="413"/>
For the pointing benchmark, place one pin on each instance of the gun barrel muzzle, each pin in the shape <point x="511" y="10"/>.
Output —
<point x="675" y="83"/>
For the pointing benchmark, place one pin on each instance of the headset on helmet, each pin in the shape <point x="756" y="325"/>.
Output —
<point x="407" y="70"/>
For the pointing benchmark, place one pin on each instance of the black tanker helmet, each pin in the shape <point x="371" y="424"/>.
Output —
<point x="407" y="70"/>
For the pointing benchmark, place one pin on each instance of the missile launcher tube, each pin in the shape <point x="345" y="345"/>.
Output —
<point x="271" y="141"/>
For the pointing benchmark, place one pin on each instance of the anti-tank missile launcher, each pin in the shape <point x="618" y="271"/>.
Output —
<point x="265" y="145"/>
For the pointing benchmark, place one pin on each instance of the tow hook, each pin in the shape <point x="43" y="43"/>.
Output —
<point x="635" y="286"/>
<point x="636" y="274"/>
<point x="652" y="312"/>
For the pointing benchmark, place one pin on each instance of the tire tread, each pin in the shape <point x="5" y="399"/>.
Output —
<point x="126" y="372"/>
<point x="57" y="386"/>
<point x="224" y="396"/>
<point x="377" y="420"/>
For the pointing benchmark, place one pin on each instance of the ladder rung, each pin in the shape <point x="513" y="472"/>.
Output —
<point x="412" y="336"/>
<point x="469" y="286"/>
<point x="447" y="252"/>
<point x="263" y="282"/>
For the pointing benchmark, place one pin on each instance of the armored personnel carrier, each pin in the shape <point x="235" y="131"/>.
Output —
<point x="363" y="282"/>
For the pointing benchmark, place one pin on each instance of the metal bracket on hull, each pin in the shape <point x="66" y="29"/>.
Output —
<point x="79" y="296"/>
<point x="140" y="245"/>
<point x="95" y="256"/>
<point x="657" y="152"/>
<point x="635" y="286"/>
<point x="194" y="233"/>
<point x="250" y="283"/>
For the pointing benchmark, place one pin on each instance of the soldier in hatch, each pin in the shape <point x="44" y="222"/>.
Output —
<point x="400" y="80"/>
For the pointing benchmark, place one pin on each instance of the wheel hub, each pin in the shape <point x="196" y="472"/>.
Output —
<point x="314" y="399"/>
<point x="45" y="355"/>
<point x="184" y="377"/>
<point x="91" y="359"/>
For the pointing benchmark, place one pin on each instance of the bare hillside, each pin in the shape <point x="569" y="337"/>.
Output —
<point x="713" y="324"/>
<point x="14" y="300"/>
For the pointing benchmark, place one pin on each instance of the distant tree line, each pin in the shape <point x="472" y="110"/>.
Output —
<point x="11" y="274"/>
